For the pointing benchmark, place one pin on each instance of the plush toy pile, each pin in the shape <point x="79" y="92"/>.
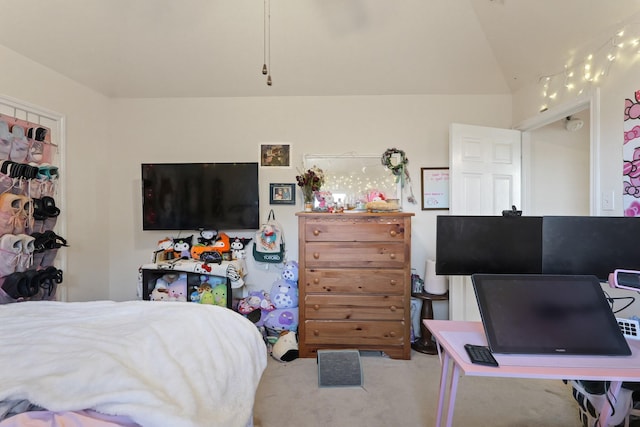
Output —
<point x="212" y="247"/>
<point x="170" y="287"/>
<point x="277" y="311"/>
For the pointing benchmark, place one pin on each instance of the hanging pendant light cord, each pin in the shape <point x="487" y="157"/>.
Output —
<point x="269" y="45"/>
<point x="266" y="65"/>
<point x="264" y="36"/>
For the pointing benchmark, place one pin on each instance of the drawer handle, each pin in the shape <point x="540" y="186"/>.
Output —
<point x="316" y="307"/>
<point x="392" y="256"/>
<point x="392" y="334"/>
<point x="393" y="308"/>
<point x="316" y="255"/>
<point x="393" y="282"/>
<point x="316" y="281"/>
<point x="316" y="232"/>
<point x="393" y="233"/>
<point x="316" y="332"/>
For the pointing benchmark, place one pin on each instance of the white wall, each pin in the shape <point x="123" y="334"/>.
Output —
<point x="621" y="83"/>
<point x="560" y="169"/>
<point x="231" y="129"/>
<point x="86" y="174"/>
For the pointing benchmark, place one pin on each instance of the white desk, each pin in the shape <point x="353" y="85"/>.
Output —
<point x="452" y="335"/>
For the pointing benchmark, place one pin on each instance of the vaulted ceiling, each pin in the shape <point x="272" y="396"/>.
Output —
<point x="206" y="48"/>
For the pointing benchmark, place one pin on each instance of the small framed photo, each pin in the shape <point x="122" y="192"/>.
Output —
<point x="275" y="155"/>
<point x="435" y="188"/>
<point x="282" y="194"/>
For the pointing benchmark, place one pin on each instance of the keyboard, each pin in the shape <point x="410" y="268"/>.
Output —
<point x="480" y="354"/>
<point x="630" y="328"/>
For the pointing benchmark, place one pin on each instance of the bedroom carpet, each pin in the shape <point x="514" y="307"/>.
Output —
<point x="405" y="393"/>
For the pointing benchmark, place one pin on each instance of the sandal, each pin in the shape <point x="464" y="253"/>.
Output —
<point x="20" y="285"/>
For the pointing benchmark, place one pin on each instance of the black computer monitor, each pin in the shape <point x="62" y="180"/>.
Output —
<point x="547" y="314"/>
<point x="488" y="244"/>
<point x="590" y="245"/>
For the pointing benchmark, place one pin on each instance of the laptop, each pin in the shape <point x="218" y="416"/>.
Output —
<point x="547" y="314"/>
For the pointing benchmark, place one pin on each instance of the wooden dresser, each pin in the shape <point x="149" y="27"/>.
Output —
<point x="355" y="282"/>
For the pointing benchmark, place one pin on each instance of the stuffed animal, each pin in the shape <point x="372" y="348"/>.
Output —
<point x="284" y="291"/>
<point x="207" y="237"/>
<point x="213" y="252"/>
<point x="325" y="199"/>
<point x="182" y="246"/>
<point x="256" y="306"/>
<point x="222" y="244"/>
<point x="207" y="297"/>
<point x="164" y="251"/>
<point x="286" y="347"/>
<point x="197" y="292"/>
<point x="290" y="272"/>
<point x="238" y="245"/>
<point x="178" y="289"/>
<point x="165" y="280"/>
<point x="207" y="254"/>
<point x="220" y="295"/>
<point x="284" y="294"/>
<point x="159" y="294"/>
<point x="206" y="294"/>
<point x="282" y="319"/>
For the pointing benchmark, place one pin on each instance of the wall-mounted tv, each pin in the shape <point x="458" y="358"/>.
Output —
<point x="192" y="196"/>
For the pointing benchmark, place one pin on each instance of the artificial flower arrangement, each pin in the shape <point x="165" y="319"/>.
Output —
<point x="309" y="182"/>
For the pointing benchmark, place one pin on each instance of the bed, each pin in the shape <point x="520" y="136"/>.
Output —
<point x="127" y="364"/>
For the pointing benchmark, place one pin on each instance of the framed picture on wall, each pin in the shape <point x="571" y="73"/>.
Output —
<point x="282" y="194"/>
<point x="275" y="155"/>
<point x="435" y="188"/>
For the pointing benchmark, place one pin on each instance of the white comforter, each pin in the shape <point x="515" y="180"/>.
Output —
<point x="162" y="364"/>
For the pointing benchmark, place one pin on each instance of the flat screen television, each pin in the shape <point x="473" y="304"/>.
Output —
<point x="488" y="244"/>
<point x="547" y="314"/>
<point x="192" y="196"/>
<point x="590" y="245"/>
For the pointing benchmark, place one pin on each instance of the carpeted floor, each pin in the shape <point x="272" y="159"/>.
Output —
<point x="405" y="393"/>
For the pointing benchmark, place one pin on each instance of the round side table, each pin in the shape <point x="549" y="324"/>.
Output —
<point x="425" y="343"/>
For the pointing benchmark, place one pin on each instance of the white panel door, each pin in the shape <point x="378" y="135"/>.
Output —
<point x="485" y="179"/>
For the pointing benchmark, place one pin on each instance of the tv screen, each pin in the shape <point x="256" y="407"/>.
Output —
<point x="192" y="196"/>
<point x="590" y="245"/>
<point x="488" y="244"/>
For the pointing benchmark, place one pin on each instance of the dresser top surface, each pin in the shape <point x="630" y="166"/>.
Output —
<point x="351" y="214"/>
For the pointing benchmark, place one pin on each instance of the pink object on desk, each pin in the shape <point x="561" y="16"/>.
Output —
<point x="452" y="335"/>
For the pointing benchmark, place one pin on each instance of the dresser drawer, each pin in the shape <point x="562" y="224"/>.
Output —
<point x="355" y="333"/>
<point x="368" y="229"/>
<point x="354" y="280"/>
<point x="355" y="254"/>
<point x="354" y="307"/>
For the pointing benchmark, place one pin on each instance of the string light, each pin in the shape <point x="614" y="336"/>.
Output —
<point x="593" y="68"/>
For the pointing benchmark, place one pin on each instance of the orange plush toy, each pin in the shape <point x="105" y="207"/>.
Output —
<point x="221" y="245"/>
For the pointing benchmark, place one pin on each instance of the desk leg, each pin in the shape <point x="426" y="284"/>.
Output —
<point x="453" y="388"/>
<point x="612" y="394"/>
<point x="443" y="387"/>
